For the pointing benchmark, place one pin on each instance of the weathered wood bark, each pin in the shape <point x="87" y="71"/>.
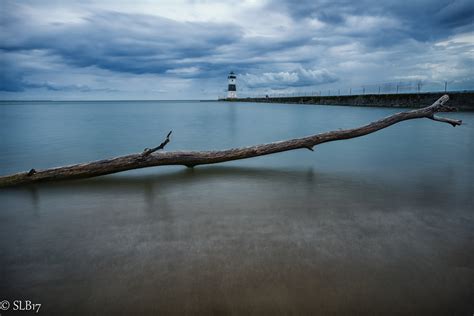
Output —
<point x="151" y="158"/>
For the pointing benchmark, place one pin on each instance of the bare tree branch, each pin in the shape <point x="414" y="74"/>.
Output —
<point x="148" y="151"/>
<point x="150" y="158"/>
<point x="454" y="123"/>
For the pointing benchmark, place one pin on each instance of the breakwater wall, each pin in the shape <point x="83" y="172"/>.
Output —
<point x="463" y="101"/>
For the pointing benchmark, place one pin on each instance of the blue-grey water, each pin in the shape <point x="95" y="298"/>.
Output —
<point x="382" y="224"/>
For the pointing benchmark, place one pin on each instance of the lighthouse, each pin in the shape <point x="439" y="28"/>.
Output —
<point x="232" y="89"/>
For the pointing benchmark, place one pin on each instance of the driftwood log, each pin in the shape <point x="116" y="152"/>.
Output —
<point x="153" y="157"/>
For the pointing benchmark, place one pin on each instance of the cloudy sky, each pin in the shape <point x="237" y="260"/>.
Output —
<point x="184" y="49"/>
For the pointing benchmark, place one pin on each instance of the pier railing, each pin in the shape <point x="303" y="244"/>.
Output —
<point x="398" y="87"/>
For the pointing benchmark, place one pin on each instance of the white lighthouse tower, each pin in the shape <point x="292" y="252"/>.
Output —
<point x="232" y="89"/>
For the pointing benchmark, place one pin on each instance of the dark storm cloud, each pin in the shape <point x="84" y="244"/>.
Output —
<point x="281" y="44"/>
<point x="121" y="42"/>
<point x="12" y="79"/>
<point x="138" y="44"/>
<point x="11" y="76"/>
<point x="422" y="20"/>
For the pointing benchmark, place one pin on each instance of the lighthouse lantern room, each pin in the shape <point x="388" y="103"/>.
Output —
<point x="232" y="89"/>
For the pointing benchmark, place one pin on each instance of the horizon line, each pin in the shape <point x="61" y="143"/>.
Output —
<point x="220" y="98"/>
<point x="104" y="100"/>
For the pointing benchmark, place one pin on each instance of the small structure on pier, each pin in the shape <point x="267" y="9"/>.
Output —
<point x="231" y="88"/>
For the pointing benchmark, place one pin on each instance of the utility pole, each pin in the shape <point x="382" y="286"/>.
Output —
<point x="445" y="86"/>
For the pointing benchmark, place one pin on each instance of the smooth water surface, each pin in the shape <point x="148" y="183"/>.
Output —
<point x="382" y="224"/>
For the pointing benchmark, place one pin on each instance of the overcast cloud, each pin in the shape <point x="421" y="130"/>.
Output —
<point x="184" y="49"/>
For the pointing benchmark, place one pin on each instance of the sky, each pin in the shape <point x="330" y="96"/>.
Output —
<point x="184" y="49"/>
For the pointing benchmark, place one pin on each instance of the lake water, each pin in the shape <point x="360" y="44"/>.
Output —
<point x="382" y="224"/>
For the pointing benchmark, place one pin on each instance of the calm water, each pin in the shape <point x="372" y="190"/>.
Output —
<point x="382" y="224"/>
